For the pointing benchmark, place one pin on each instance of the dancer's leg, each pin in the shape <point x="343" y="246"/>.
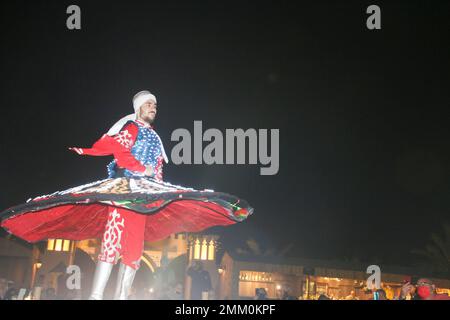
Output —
<point x="125" y="279"/>
<point x="132" y="247"/>
<point x="110" y="250"/>
<point x="102" y="273"/>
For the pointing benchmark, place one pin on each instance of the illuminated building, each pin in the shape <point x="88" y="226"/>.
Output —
<point x="307" y="278"/>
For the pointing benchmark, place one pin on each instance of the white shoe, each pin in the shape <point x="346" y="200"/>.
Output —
<point x="125" y="279"/>
<point x="102" y="273"/>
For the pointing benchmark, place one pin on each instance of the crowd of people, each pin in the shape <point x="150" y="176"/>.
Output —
<point x="10" y="291"/>
<point x="163" y="287"/>
<point x="423" y="289"/>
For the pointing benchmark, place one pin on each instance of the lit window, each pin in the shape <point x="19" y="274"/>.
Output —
<point x="66" y="245"/>
<point x="50" y="244"/>
<point x="211" y="250"/>
<point x="197" y="249"/>
<point x="249" y="281"/>
<point x="255" y="276"/>
<point x="58" y="245"/>
<point x="204" y="250"/>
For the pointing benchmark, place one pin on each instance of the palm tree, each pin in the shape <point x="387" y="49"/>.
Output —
<point x="437" y="252"/>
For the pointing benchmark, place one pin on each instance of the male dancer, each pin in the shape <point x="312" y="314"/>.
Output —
<point x="139" y="150"/>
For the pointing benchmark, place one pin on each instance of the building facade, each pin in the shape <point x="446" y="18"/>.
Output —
<point x="45" y="264"/>
<point x="307" y="279"/>
<point x="233" y="276"/>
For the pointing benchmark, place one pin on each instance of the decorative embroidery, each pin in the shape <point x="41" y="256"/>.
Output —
<point x="124" y="138"/>
<point x="112" y="238"/>
<point x="147" y="149"/>
<point x="159" y="168"/>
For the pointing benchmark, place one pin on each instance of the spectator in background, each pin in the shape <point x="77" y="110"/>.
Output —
<point x="286" y="294"/>
<point x="11" y="294"/>
<point x="408" y="292"/>
<point x="261" y="294"/>
<point x="351" y="296"/>
<point x="423" y="290"/>
<point x="164" y="279"/>
<point x="380" y="294"/>
<point x="201" y="280"/>
<point x="10" y="291"/>
<point x="426" y="290"/>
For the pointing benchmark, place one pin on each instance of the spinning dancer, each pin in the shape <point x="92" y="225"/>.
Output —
<point x="131" y="206"/>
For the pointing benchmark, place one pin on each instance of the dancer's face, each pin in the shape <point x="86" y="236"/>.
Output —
<point x="147" y="112"/>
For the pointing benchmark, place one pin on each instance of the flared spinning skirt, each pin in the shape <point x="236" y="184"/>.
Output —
<point x="81" y="213"/>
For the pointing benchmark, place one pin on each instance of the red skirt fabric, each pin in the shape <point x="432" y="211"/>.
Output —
<point x="82" y="212"/>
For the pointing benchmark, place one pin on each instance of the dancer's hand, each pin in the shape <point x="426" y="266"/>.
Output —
<point x="77" y="150"/>
<point x="148" y="171"/>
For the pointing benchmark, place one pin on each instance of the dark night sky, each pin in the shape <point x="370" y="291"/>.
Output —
<point x="363" y="115"/>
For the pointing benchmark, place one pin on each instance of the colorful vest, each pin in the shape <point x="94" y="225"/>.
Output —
<point x="147" y="149"/>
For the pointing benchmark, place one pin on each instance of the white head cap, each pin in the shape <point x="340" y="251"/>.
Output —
<point x="142" y="97"/>
<point x="138" y="100"/>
